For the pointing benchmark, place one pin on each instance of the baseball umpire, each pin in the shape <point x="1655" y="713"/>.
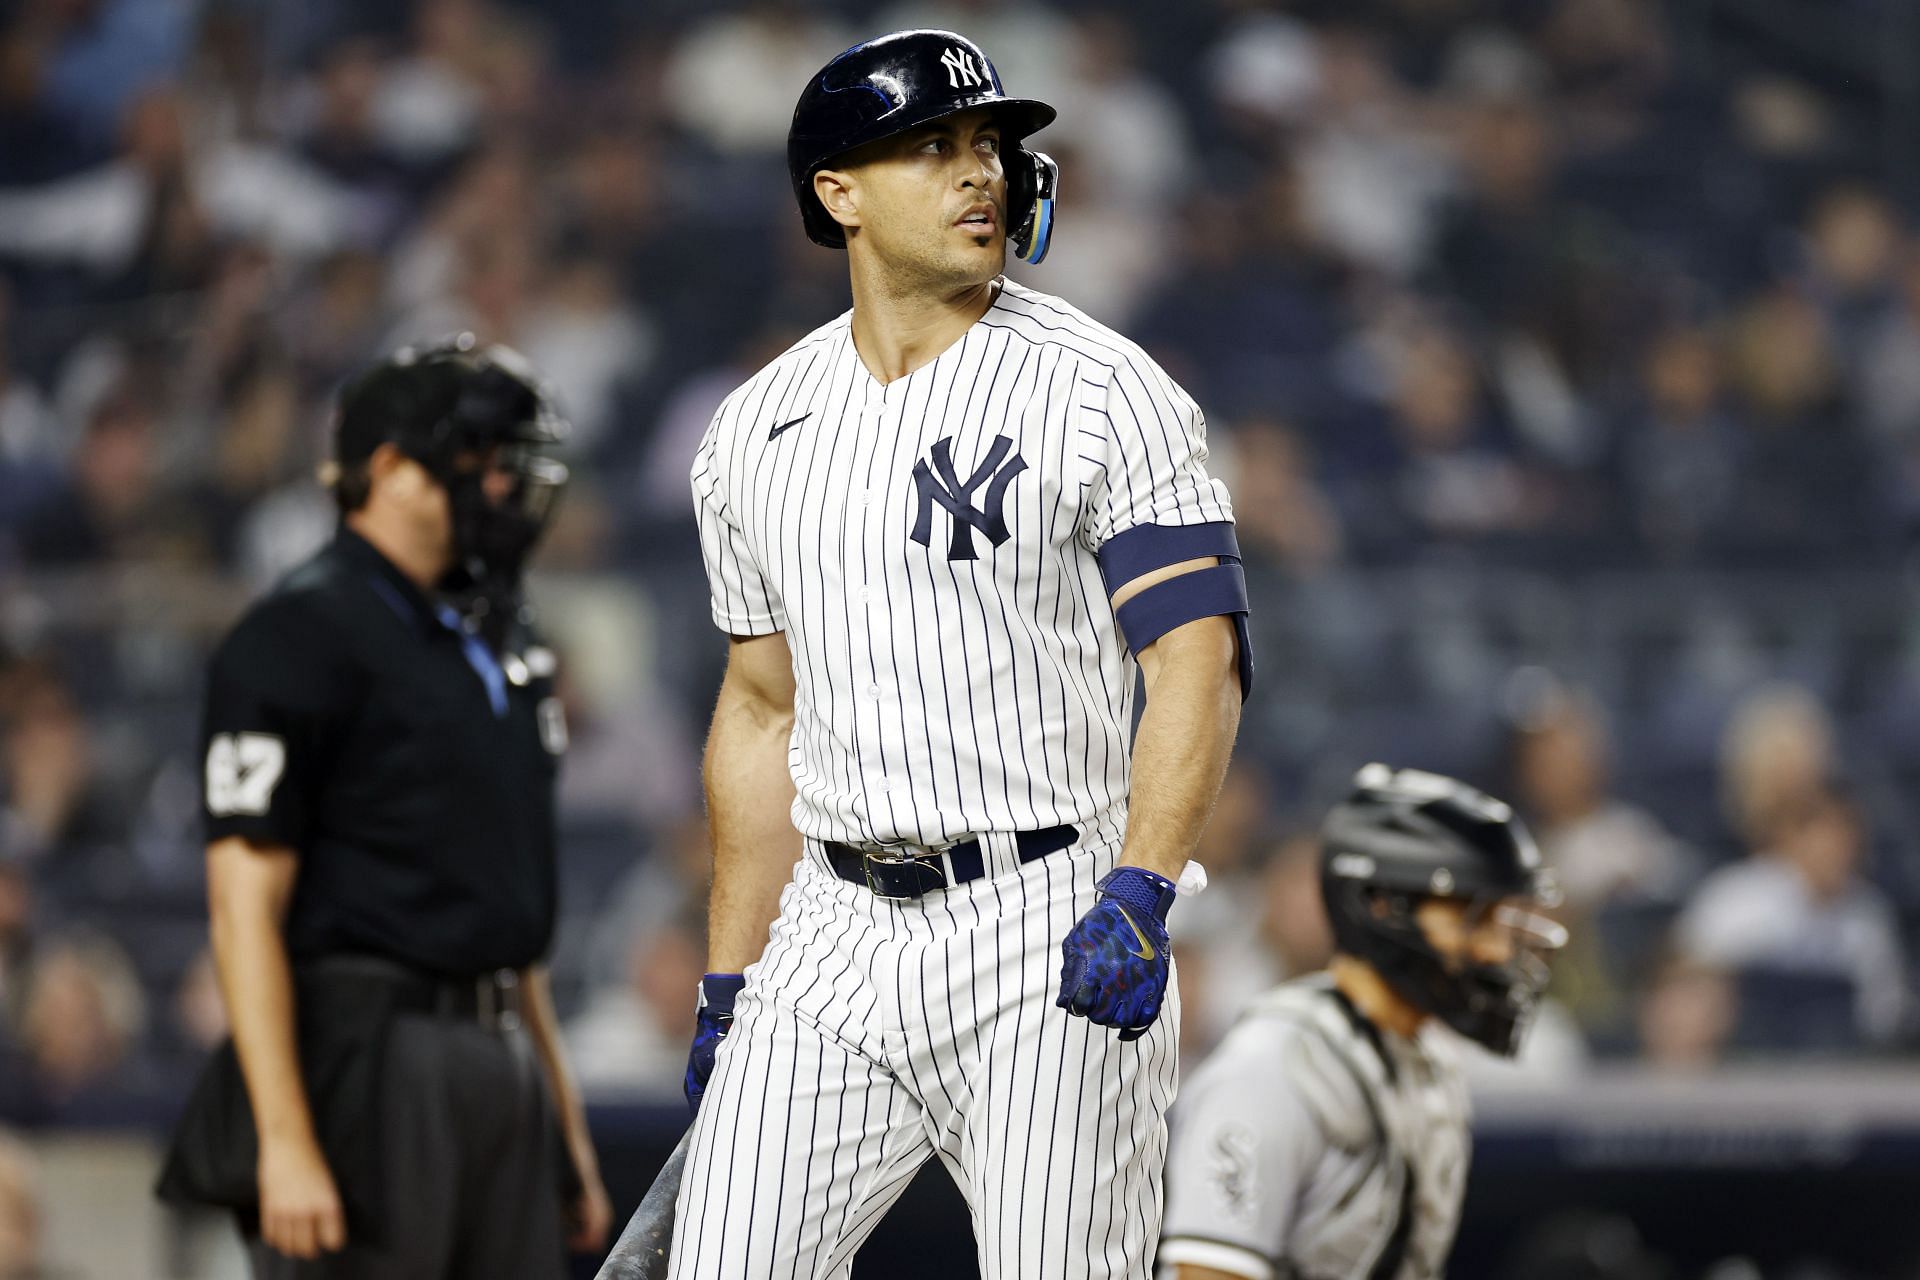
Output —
<point x="1325" y="1137"/>
<point x="381" y="745"/>
<point x="945" y="532"/>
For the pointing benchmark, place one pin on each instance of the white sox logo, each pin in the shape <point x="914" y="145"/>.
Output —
<point x="942" y="484"/>
<point x="959" y="65"/>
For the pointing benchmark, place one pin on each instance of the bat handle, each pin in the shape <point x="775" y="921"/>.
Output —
<point x="641" y="1252"/>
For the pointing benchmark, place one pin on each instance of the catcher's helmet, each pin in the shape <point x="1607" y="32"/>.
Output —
<point x="898" y="82"/>
<point x="1404" y="835"/>
<point x="442" y="405"/>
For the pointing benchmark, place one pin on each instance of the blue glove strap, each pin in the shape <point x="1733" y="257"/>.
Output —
<point x="1148" y="893"/>
<point x="719" y="990"/>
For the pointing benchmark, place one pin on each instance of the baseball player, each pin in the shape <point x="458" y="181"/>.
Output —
<point x="1325" y="1139"/>
<point x="944" y="533"/>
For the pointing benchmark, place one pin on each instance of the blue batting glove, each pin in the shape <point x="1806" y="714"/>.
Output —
<point x="1118" y="957"/>
<point x="711" y="1024"/>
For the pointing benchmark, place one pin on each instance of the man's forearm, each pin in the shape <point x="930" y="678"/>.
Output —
<point x="750" y="812"/>
<point x="256" y="979"/>
<point x="1185" y="740"/>
<point x="543" y="1025"/>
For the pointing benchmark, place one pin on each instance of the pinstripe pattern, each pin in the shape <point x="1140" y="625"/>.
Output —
<point x="873" y="1035"/>
<point x="940" y="697"/>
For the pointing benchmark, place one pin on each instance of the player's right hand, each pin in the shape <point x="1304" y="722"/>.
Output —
<point x="300" y="1210"/>
<point x="712" y="1021"/>
<point x="1115" y="963"/>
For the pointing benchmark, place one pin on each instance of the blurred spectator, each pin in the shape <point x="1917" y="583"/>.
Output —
<point x="1124" y="128"/>
<point x="1599" y="847"/>
<point x="111" y="505"/>
<point x="1372" y="162"/>
<point x="1853" y="246"/>
<point x="589" y="343"/>
<point x="732" y="81"/>
<point x="83" y="1020"/>
<point x="633" y="1035"/>
<point x="1444" y="481"/>
<point x="1803" y="906"/>
<point x="1686" y="1016"/>
<point x="1777" y="756"/>
<point x="30" y="435"/>
<point x="1888" y="366"/>
<point x="1680" y="451"/>
<point x="47" y="758"/>
<point x="1807" y="492"/>
<point x="1283" y="517"/>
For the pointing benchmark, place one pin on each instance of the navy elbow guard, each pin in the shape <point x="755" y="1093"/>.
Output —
<point x="1203" y="593"/>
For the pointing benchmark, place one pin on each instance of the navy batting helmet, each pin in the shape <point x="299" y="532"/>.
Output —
<point x="1403" y="835"/>
<point x="898" y="82"/>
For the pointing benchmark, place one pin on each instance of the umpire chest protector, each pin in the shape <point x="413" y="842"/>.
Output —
<point x="884" y="87"/>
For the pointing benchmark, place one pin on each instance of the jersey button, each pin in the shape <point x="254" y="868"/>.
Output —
<point x="872" y="413"/>
<point x="866" y="595"/>
<point x="873" y="691"/>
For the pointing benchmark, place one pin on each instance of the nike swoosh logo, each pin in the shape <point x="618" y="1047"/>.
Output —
<point x="1146" y="951"/>
<point x="786" y="426"/>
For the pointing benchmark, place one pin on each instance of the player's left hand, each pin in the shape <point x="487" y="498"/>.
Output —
<point x="1118" y="957"/>
<point x="711" y="1024"/>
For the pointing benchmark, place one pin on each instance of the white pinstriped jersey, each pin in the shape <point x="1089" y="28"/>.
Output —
<point x="929" y="545"/>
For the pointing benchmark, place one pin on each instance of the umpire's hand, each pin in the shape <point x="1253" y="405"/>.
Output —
<point x="300" y="1211"/>
<point x="1117" y="958"/>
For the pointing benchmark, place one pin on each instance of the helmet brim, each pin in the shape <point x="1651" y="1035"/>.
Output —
<point x="1019" y="118"/>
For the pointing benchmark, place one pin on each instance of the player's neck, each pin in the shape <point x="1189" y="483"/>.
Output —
<point x="1359" y="982"/>
<point x="898" y="328"/>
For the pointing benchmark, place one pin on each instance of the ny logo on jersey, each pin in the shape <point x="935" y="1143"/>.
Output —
<point x="959" y="65"/>
<point x="940" y="483"/>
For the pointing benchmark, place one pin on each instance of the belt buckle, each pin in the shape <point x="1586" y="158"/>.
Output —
<point x="897" y="855"/>
<point x="495" y="1010"/>
<point x="904" y="855"/>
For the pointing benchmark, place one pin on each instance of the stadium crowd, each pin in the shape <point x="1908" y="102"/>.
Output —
<point x="1563" y="357"/>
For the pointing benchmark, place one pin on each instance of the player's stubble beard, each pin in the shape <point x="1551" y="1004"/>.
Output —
<point x="937" y="259"/>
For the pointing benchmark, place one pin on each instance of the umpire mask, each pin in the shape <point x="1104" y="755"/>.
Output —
<point x="477" y="418"/>
<point x="1403" y="837"/>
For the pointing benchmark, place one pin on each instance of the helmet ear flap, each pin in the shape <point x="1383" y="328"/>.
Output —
<point x="1032" y="180"/>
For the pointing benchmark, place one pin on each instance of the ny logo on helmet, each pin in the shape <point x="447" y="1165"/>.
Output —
<point x="959" y="65"/>
<point x="941" y="484"/>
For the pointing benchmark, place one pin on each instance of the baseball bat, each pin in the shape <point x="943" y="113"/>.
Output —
<point x="641" y="1251"/>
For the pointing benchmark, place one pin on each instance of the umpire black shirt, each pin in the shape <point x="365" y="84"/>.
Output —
<point x="348" y="718"/>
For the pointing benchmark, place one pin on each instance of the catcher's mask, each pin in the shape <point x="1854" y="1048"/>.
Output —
<point x="477" y="418"/>
<point x="1404" y="836"/>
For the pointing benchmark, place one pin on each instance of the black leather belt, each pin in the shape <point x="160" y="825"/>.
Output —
<point x="495" y="1000"/>
<point x="906" y="873"/>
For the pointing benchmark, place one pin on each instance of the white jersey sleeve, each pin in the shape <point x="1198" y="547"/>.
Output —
<point x="744" y="600"/>
<point x="1246" y="1147"/>
<point x="1154" y="447"/>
